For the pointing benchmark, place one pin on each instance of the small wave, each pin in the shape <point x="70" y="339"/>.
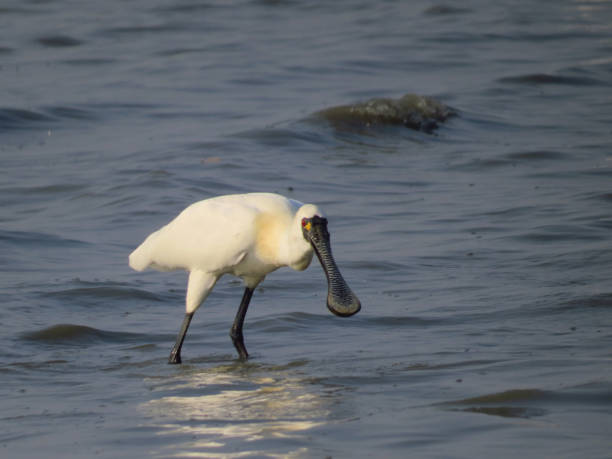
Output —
<point x="19" y="118"/>
<point x="545" y="78"/>
<point x="140" y="30"/>
<point x="30" y="365"/>
<point x="104" y="293"/>
<point x="396" y="322"/>
<point x="450" y="365"/>
<point x="483" y="164"/>
<point x="18" y="10"/>
<point x="30" y="237"/>
<point x="536" y="156"/>
<point x="507" y="411"/>
<point x="187" y="7"/>
<point x="123" y="106"/>
<point x="281" y="135"/>
<point x="412" y="111"/>
<point x="46" y="190"/>
<point x="58" y="41"/>
<point x="514" y="395"/>
<point x="602" y="300"/>
<point x="502" y="213"/>
<point x="67" y="112"/>
<point x="76" y="334"/>
<point x="514" y="159"/>
<point x="173" y="52"/>
<point x="15" y="118"/>
<point x="504" y="404"/>
<point x="560" y="233"/>
<point x="606" y="197"/>
<point x="379" y="265"/>
<point x="527" y="403"/>
<point x="290" y="321"/>
<point x="445" y="10"/>
<point x="89" y="61"/>
<point x="303" y="320"/>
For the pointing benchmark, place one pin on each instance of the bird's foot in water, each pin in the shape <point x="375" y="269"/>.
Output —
<point x="244" y="355"/>
<point x="238" y="340"/>
<point x="175" y="357"/>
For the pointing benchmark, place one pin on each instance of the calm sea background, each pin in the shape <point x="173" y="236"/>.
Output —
<point x="482" y="251"/>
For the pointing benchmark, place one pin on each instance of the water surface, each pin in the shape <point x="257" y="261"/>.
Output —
<point x="480" y="246"/>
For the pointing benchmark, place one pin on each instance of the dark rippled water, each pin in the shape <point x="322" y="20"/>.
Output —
<point x="480" y="241"/>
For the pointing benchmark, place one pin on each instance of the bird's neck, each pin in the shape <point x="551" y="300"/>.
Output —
<point x="298" y="251"/>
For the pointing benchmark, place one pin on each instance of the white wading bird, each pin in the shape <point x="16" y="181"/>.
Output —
<point x="249" y="236"/>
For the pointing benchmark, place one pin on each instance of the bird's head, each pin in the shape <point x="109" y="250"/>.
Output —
<point x="340" y="298"/>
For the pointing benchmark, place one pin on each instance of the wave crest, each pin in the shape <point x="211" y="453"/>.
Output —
<point x="411" y="110"/>
<point x="76" y="334"/>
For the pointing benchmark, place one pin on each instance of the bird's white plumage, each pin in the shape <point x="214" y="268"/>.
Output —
<point x="248" y="235"/>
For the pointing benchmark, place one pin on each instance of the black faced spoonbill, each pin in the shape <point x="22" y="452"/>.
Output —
<point x="249" y="236"/>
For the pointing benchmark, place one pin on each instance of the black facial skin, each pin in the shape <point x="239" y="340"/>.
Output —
<point x="340" y="298"/>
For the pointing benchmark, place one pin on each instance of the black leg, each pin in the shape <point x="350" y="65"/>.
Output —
<point x="236" y="331"/>
<point x="175" y="355"/>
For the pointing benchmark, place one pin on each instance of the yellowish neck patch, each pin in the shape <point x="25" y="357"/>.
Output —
<point x="270" y="231"/>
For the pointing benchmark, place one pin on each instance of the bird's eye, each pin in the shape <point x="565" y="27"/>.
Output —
<point x="306" y="224"/>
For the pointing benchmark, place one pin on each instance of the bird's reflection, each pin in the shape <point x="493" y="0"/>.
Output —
<point x="233" y="410"/>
